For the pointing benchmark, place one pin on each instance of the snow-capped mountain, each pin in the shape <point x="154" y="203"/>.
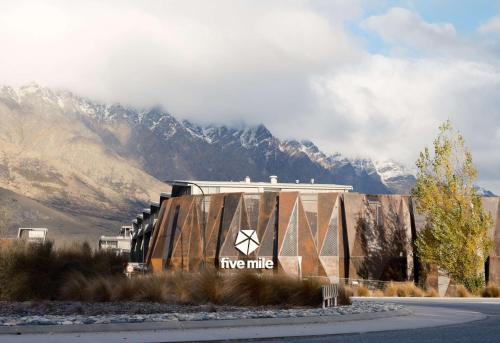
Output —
<point x="105" y="161"/>
<point x="484" y="192"/>
<point x="167" y="148"/>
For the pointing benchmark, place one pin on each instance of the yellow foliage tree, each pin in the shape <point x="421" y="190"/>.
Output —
<point x="456" y="234"/>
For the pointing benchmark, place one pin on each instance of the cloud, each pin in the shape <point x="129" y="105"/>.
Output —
<point x="388" y="106"/>
<point x="492" y="26"/>
<point x="295" y="66"/>
<point x="231" y="60"/>
<point x="406" y="30"/>
<point x="402" y="27"/>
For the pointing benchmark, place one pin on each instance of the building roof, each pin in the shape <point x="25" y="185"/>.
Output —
<point x="267" y="185"/>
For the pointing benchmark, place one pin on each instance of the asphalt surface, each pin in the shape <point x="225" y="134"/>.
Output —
<point x="484" y="331"/>
<point x="428" y="320"/>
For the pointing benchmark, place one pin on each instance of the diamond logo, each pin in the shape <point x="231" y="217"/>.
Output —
<point x="247" y="241"/>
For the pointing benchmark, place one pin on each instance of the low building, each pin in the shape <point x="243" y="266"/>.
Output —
<point x="32" y="235"/>
<point x="119" y="244"/>
<point x="144" y="234"/>
<point x="187" y="187"/>
<point x="333" y="235"/>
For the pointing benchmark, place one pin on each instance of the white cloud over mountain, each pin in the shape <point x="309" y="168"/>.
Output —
<point x="298" y="67"/>
<point x="404" y="28"/>
<point x="492" y="26"/>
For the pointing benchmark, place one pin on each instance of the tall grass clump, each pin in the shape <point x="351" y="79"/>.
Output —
<point x="38" y="271"/>
<point x="347" y="290"/>
<point x="362" y="291"/>
<point x="390" y="290"/>
<point x="247" y="288"/>
<point x="345" y="294"/>
<point x="490" y="291"/>
<point x="431" y="293"/>
<point x="207" y="287"/>
<point x="406" y="289"/>
<point x="462" y="292"/>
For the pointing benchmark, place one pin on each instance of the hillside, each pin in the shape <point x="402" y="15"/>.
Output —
<point x="82" y="158"/>
<point x="19" y="211"/>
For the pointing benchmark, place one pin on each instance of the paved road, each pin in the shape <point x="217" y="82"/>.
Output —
<point x="480" y="322"/>
<point x="484" y="331"/>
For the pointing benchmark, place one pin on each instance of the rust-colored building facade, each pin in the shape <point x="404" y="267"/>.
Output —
<point x="326" y="235"/>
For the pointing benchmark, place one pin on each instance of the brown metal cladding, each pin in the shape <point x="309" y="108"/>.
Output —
<point x="326" y="204"/>
<point x="492" y="206"/>
<point x="156" y="229"/>
<point x="215" y="210"/>
<point x="266" y="224"/>
<point x="157" y="252"/>
<point x="307" y="247"/>
<point x="306" y="234"/>
<point x="180" y="234"/>
<point x="329" y="242"/>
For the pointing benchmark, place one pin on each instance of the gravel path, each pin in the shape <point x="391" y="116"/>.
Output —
<point x="67" y="313"/>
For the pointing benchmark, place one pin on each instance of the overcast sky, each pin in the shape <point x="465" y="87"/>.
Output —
<point x="364" y="78"/>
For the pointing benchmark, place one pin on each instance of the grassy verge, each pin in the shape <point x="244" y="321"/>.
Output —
<point x="209" y="286"/>
<point x="40" y="272"/>
<point x="409" y="289"/>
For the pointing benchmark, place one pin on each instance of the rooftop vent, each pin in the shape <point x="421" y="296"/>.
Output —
<point x="312" y="180"/>
<point x="247" y="179"/>
<point x="273" y="179"/>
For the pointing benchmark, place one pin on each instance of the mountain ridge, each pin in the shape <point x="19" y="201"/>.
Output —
<point x="92" y="159"/>
<point x="154" y="128"/>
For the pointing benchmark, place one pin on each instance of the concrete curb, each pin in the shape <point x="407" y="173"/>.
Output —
<point x="431" y="299"/>
<point x="201" y="324"/>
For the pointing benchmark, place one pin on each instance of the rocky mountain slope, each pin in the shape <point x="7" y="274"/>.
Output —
<point x="53" y="152"/>
<point x="19" y="211"/>
<point x="106" y="161"/>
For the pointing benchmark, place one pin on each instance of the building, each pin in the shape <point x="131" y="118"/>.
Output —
<point x="143" y="226"/>
<point x="327" y="235"/>
<point x="181" y="187"/>
<point x="32" y="235"/>
<point x="119" y="244"/>
<point x="144" y="233"/>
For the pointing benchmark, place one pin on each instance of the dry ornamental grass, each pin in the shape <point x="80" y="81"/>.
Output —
<point x="39" y="272"/>
<point x="362" y="291"/>
<point x="209" y="286"/>
<point x="462" y="292"/>
<point x="491" y="291"/>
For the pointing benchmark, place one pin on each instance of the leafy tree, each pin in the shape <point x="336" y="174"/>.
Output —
<point x="456" y="234"/>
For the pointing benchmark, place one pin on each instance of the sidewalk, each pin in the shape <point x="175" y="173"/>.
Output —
<point x="478" y="300"/>
<point x="417" y="317"/>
